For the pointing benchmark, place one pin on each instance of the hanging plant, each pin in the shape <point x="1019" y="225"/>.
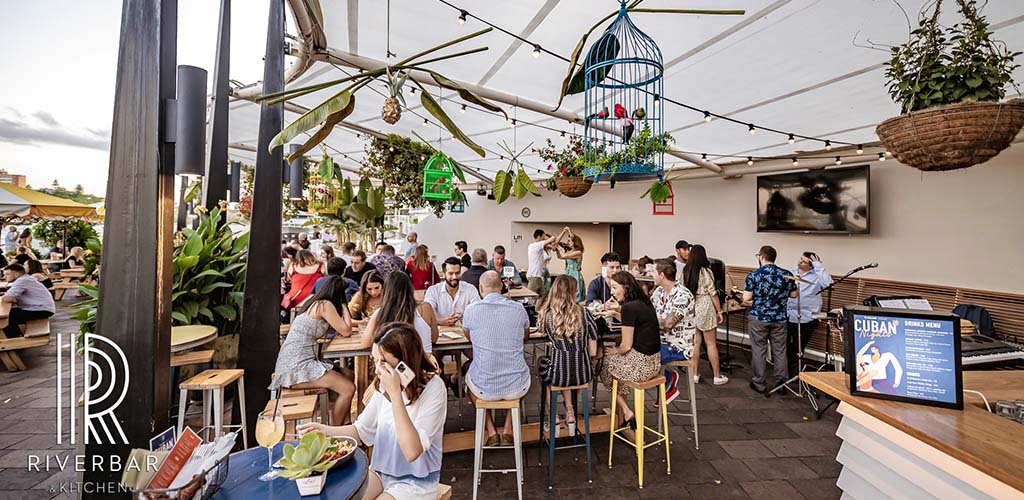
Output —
<point x="642" y="149"/>
<point x="336" y="108"/>
<point x="514" y="181"/>
<point x="566" y="172"/>
<point x="398" y="162"/>
<point x="949" y="82"/>
<point x="659" y="191"/>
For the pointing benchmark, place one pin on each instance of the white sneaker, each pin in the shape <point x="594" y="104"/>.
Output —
<point x="696" y="379"/>
<point x="720" y="380"/>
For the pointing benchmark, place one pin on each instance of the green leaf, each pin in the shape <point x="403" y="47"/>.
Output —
<point x="312" y="118"/>
<point x="226" y="311"/>
<point x="179" y="317"/>
<point x="325" y="168"/>
<point x="208" y="272"/>
<point x="528" y="186"/>
<point x="502" y="186"/>
<point x="213" y="286"/>
<point x="466" y="94"/>
<point x="438" y="112"/>
<point x="604" y="49"/>
<point x="574" y="58"/>
<point x="519" y="190"/>
<point x="206" y="313"/>
<point x="457" y="171"/>
<point x="193" y="191"/>
<point x="328" y="127"/>
<point x="345" y="195"/>
<point x="360" y="211"/>
<point x="973" y="82"/>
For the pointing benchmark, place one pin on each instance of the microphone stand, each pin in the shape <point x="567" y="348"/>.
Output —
<point x="828" y="335"/>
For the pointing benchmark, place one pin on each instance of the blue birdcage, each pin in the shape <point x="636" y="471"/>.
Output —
<point x="623" y="106"/>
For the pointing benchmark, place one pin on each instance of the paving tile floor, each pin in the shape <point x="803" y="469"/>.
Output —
<point x="751" y="447"/>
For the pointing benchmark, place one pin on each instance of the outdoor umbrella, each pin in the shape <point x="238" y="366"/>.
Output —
<point x="26" y="204"/>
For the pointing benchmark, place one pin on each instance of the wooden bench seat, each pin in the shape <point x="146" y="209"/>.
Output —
<point x="192" y="358"/>
<point x="19" y="343"/>
<point x="36" y="328"/>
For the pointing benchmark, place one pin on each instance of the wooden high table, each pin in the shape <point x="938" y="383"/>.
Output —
<point x="901" y="450"/>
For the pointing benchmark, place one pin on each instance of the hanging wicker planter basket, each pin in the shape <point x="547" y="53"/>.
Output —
<point x="573" y="187"/>
<point x="952" y="136"/>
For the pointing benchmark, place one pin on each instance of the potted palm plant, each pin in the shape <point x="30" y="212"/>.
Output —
<point x="950" y="83"/>
<point x="566" y="167"/>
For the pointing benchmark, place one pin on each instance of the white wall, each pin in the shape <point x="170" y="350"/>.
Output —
<point x="962" y="228"/>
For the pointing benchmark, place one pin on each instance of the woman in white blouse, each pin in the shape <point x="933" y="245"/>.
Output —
<point x="406" y="438"/>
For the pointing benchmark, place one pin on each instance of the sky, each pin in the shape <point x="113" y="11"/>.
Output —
<point x="57" y="76"/>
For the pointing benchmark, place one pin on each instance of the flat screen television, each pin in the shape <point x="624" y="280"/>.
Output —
<point x="833" y="200"/>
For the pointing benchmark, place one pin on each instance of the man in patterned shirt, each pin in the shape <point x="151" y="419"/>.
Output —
<point x="386" y="262"/>
<point x="677" y="320"/>
<point x="767" y="289"/>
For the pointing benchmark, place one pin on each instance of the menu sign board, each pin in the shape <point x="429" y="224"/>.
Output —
<point x="904" y="355"/>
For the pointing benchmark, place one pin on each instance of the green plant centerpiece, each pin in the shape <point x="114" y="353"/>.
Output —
<point x="306" y="463"/>
<point x="566" y="167"/>
<point x="949" y="82"/>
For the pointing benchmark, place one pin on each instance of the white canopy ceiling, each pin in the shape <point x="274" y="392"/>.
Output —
<point x="803" y="66"/>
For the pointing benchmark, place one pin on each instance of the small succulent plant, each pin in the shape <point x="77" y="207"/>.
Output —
<point x="307" y="458"/>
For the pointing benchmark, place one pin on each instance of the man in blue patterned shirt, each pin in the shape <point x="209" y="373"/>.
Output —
<point x="767" y="289"/>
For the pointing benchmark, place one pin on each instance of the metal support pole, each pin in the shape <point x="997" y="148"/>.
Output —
<point x="215" y="183"/>
<point x="258" y="341"/>
<point x="135" y="295"/>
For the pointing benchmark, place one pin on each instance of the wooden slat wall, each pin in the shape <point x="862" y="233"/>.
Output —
<point x="1007" y="309"/>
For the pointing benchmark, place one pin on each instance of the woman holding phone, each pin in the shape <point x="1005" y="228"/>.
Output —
<point x="406" y="437"/>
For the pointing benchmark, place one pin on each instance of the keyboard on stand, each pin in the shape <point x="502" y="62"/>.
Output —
<point x="978" y="350"/>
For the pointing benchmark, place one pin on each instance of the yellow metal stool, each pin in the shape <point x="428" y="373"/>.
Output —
<point x="639" y="409"/>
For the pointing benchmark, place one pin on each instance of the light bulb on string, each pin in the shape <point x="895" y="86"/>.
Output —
<point x="425" y="122"/>
<point x="839" y="161"/>
<point x="860" y="149"/>
<point x="657" y="98"/>
<point x="828" y="145"/>
<point x="463" y="109"/>
<point x="750" y="160"/>
<point x="881" y="156"/>
<point x="513" y="123"/>
<point x="750" y="129"/>
<point x="791" y="139"/>
<point x="536" y="51"/>
<point x="796" y="162"/>
<point x="707" y="116"/>
<point x="462" y="17"/>
<point x="704" y="157"/>
<point x="562" y="135"/>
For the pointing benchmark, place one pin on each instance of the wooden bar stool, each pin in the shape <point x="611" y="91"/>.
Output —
<point x="552" y="396"/>
<point x="294" y="409"/>
<point x="692" y="399"/>
<point x="212" y="383"/>
<point x="323" y="400"/>
<point x="639" y="389"/>
<point x="202" y="358"/>
<point x="517" y="439"/>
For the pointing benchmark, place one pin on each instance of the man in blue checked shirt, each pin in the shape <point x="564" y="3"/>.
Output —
<point x="497" y="327"/>
<point x="810" y="269"/>
<point x="767" y="289"/>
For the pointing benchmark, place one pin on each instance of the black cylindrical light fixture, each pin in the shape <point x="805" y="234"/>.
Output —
<point x="284" y="171"/>
<point x="295" y="170"/>
<point x="190" y="129"/>
<point x="235" y="182"/>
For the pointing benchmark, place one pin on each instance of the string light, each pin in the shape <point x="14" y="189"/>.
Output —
<point x="562" y="135"/>
<point x="795" y="162"/>
<point x="391" y="149"/>
<point x="750" y="129"/>
<point x="536" y="51"/>
<point x="412" y="90"/>
<point x="750" y="160"/>
<point x="425" y="122"/>
<point x="828" y="145"/>
<point x="423" y="157"/>
<point x="791" y="139"/>
<point x="463" y="110"/>
<point x="881" y="156"/>
<point x="704" y="157"/>
<point x="513" y="123"/>
<point x="707" y="116"/>
<point x="860" y="149"/>
<point x="657" y="98"/>
<point x="462" y="17"/>
<point x="839" y="161"/>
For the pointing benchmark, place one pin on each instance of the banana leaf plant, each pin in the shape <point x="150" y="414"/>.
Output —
<point x="574" y="82"/>
<point x="514" y="181"/>
<point x="337" y="107"/>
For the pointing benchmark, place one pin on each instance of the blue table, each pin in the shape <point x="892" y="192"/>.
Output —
<point x="246" y="466"/>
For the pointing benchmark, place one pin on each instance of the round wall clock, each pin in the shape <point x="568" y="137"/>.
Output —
<point x="526" y="212"/>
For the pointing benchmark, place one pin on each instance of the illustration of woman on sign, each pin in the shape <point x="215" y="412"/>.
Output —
<point x="877" y="364"/>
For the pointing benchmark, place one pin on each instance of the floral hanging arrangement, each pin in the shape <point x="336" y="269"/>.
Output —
<point x="566" y="167"/>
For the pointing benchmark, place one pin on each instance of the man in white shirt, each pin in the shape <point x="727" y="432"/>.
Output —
<point x="450" y="298"/>
<point x="682" y="252"/>
<point x="537" y="257"/>
<point x="29" y="298"/>
<point x="810" y="269"/>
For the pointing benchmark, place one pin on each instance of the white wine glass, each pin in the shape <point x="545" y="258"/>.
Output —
<point x="269" y="432"/>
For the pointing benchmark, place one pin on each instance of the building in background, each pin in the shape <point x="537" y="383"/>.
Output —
<point x="16" y="179"/>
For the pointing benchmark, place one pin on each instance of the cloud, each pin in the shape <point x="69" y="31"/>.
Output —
<point x="47" y="130"/>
